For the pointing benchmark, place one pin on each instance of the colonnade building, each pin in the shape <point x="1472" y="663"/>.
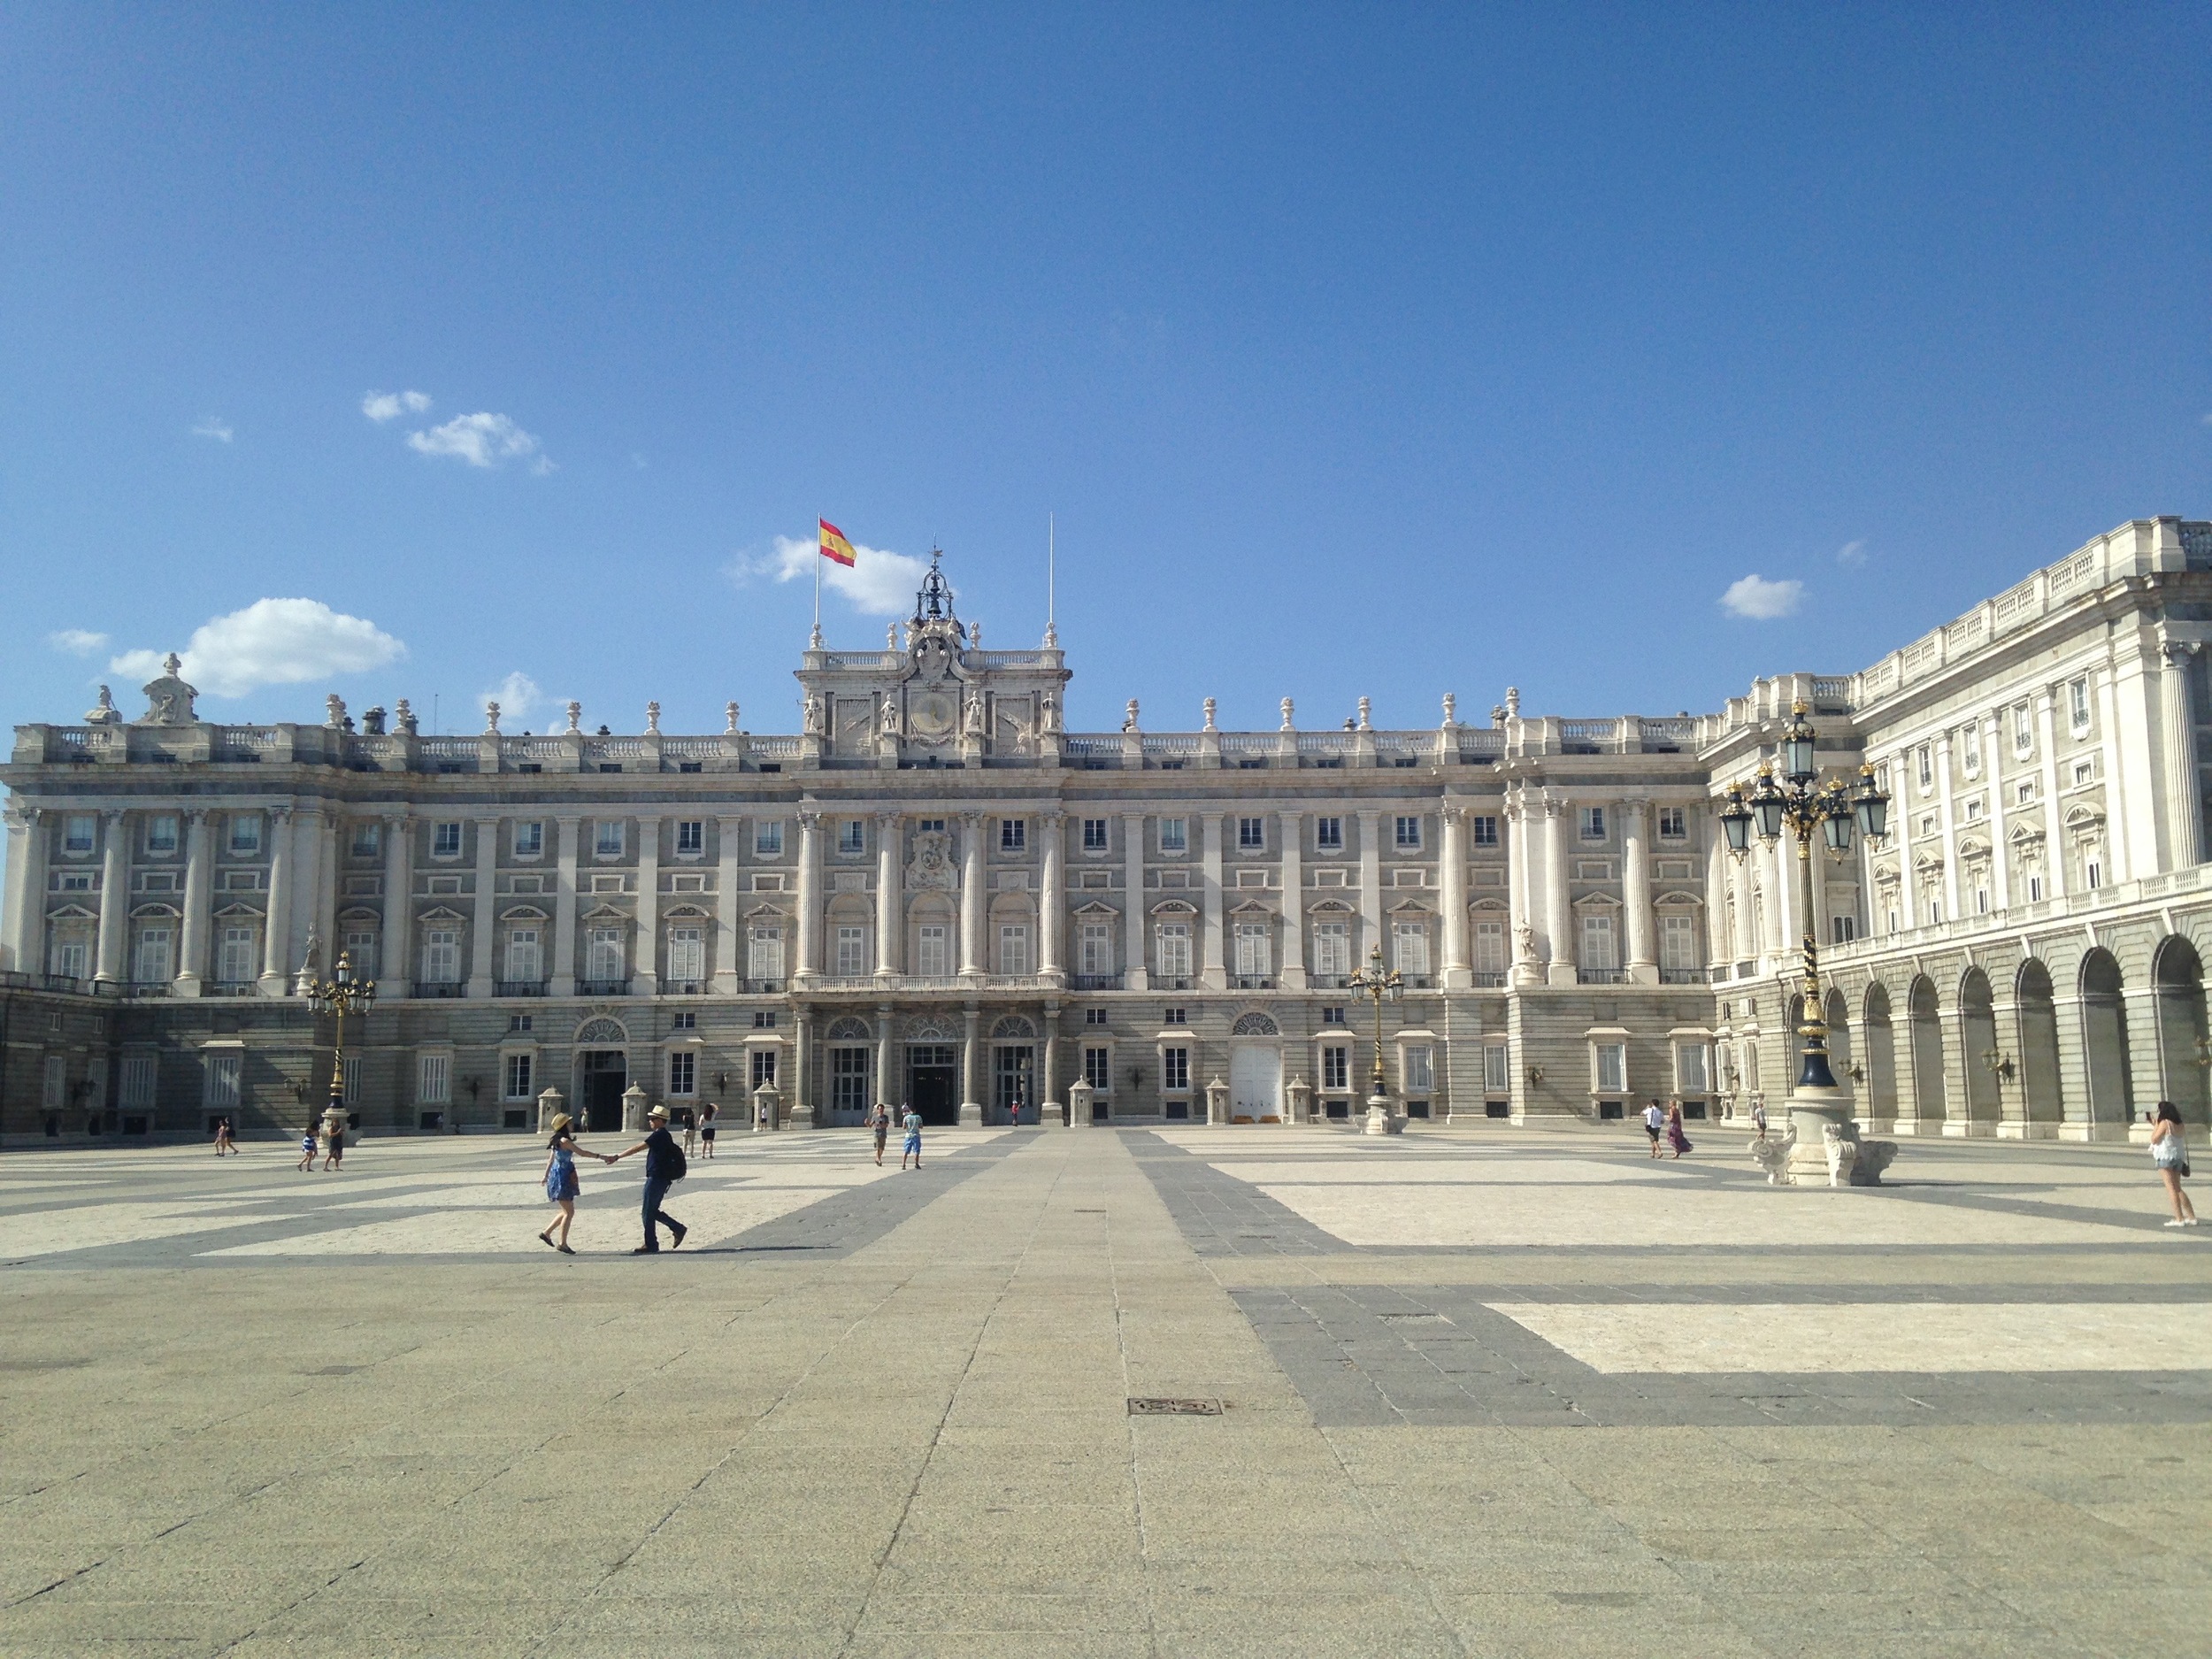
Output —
<point x="933" y="893"/>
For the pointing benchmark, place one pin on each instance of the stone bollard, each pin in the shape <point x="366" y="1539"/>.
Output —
<point x="767" y="1109"/>
<point x="1216" y="1102"/>
<point x="550" y="1105"/>
<point x="633" y="1109"/>
<point x="1079" y="1095"/>
<point x="1301" y="1098"/>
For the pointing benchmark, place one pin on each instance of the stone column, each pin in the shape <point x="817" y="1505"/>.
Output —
<point x="1717" y="945"/>
<point x="729" y="945"/>
<point x="1781" y="896"/>
<point x="199" y="879"/>
<point x="890" y="907"/>
<point x="1516" y="873"/>
<point x="803" y="1081"/>
<point x="1947" y="823"/>
<point x="276" y="934"/>
<point x="1213" y="975"/>
<point x="809" y="940"/>
<point x="2178" y="747"/>
<point x="1369" y="888"/>
<point x="309" y="828"/>
<point x="115" y="898"/>
<point x="1452" y="896"/>
<point x="887" y="1092"/>
<point x="1747" y="945"/>
<point x="647" y="972"/>
<point x="1994" y="743"/>
<point x="485" y="923"/>
<point x="565" y="908"/>
<point x="972" y="879"/>
<point x="1132" y="905"/>
<point x="1292" y="829"/>
<point x="2131" y="830"/>
<point x="27" y="889"/>
<point x="399" y="905"/>
<point x="2054" y="829"/>
<point x="1053" y="906"/>
<point x="1558" y="913"/>
<point x="328" y="842"/>
<point x="972" y="1068"/>
<point x="1643" y="962"/>
<point x="1048" y="1101"/>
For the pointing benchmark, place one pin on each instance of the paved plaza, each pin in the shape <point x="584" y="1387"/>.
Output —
<point x="1234" y="1391"/>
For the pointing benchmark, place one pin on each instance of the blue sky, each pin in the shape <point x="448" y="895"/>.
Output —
<point x="1358" y="350"/>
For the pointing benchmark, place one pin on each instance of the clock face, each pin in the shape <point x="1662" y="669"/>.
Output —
<point x="933" y="713"/>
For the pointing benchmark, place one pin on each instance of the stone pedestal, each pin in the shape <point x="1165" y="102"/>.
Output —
<point x="633" y="1109"/>
<point x="1217" y="1102"/>
<point x="1811" y="1111"/>
<point x="550" y="1105"/>
<point x="1380" y="1119"/>
<point x="1079" y="1095"/>
<point x="767" y="1109"/>
<point x="971" y="1115"/>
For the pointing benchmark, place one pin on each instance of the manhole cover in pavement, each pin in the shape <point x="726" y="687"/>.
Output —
<point x="1145" y="1406"/>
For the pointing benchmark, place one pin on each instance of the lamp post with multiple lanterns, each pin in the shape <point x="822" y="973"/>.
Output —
<point x="1374" y="982"/>
<point x="1801" y="803"/>
<point x="339" y="994"/>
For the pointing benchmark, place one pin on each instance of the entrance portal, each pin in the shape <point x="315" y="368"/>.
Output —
<point x="1010" y="1093"/>
<point x="605" y="1076"/>
<point x="1256" y="1084"/>
<point x="933" y="1082"/>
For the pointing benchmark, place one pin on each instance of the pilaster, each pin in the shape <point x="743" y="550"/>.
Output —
<point x="115" y="897"/>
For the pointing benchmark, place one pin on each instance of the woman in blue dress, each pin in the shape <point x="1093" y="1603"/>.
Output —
<point x="561" y="1185"/>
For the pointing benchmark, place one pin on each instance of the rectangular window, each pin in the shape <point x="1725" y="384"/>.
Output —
<point x="2084" y="772"/>
<point x="1490" y="948"/>
<point x="1332" y="1016"/>
<point x="764" y="1068"/>
<point x="1972" y="749"/>
<point x="236" y="963"/>
<point x="1097" y="949"/>
<point x="1174" y="836"/>
<point x="1609" y="1067"/>
<point x="137" y="1082"/>
<point x="1485" y="829"/>
<point x="367" y="839"/>
<point x="1256" y="949"/>
<point x="1690" y="1068"/>
<point x="1843" y="929"/>
<point x="1981" y="901"/>
<point x="852" y="950"/>
<point x="2023" y="730"/>
<point x="154" y="958"/>
<point x="1175" y="950"/>
<point x="1408" y="837"/>
<point x="606" y="842"/>
<point x="530" y="840"/>
<point x="1094" y="834"/>
<point x="445" y="840"/>
<point x="2023" y="792"/>
<point x="520" y="1021"/>
<point x="514" y="1077"/>
<point x="932" y="951"/>
<point x="442" y="955"/>
<point x="1974" y="809"/>
<point x="2035" y="889"/>
<point x="602" y="955"/>
<point x="1410" y="940"/>
<point x="1328" y="835"/>
<point x="686" y="1021"/>
<point x="1420" y="1069"/>
<point x="1677" y="943"/>
<point x="1923" y="761"/>
<point x="768" y="839"/>
<point x="683" y="1072"/>
<point x="526" y="961"/>
<point x="1013" y="948"/>
<point x="930" y="826"/>
<point x="223" y="1067"/>
<point x="2092" y="872"/>
<point x="1095" y="1016"/>
<point x="1599" y="946"/>
<point x="1013" y="834"/>
<point x="852" y="836"/>
<point x="1593" y="822"/>
<point x="1175" y="1070"/>
<point x="245" y="833"/>
<point x="1098" y="1069"/>
<point x="77" y="834"/>
<point x="765" y="954"/>
<point x="70" y="959"/>
<point x="1336" y="1067"/>
<point x="1173" y="1017"/>
<point x="361" y="954"/>
<point x="688" y="955"/>
<point x="1674" y="823"/>
<point x="1332" y="949"/>
<point x="161" y="833"/>
<point x="849" y="1079"/>
<point x="2078" y="706"/>
<point x="434" y="1078"/>
<point x="1496" y="1079"/>
<point x="1251" y="834"/>
<point x="691" y="837"/>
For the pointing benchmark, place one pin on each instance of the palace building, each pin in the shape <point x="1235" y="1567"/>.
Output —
<point x="933" y="892"/>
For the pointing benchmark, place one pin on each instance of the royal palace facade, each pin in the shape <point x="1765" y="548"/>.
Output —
<point x="933" y="893"/>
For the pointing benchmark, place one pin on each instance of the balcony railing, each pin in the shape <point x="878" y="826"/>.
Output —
<point x="683" y="988"/>
<point x="1252" y="982"/>
<point x="517" y="987"/>
<point x="602" y="987"/>
<point x="1166" y="983"/>
<point x="762" y="988"/>
<point x="1096" y="982"/>
<point x="1598" y="976"/>
<point x="138" y="989"/>
<point x="231" y="988"/>
<point x="439" y="988"/>
<point x="1328" y="982"/>
<point x="1488" y="979"/>
<point x="1681" y="975"/>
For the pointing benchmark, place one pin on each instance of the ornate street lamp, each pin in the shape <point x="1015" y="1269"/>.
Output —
<point x="340" y="994"/>
<point x="1800" y="803"/>
<point x="1373" y="982"/>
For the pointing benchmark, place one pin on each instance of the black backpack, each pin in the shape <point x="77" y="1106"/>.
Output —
<point x="678" y="1166"/>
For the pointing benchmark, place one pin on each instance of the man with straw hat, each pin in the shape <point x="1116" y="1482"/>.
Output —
<point x="663" y="1167"/>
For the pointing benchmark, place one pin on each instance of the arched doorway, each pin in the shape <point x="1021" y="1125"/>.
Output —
<point x="1255" y="1070"/>
<point x="1013" y="1070"/>
<point x="2177" y="982"/>
<point x="1924" y="1032"/>
<point x="1977" y="1037"/>
<point x="2104" y="1040"/>
<point x="601" y="1074"/>
<point x="2038" y="1047"/>
<point x="1881" y="1058"/>
<point x="851" y="1044"/>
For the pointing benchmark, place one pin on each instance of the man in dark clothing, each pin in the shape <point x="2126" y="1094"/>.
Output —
<point x="659" y="1147"/>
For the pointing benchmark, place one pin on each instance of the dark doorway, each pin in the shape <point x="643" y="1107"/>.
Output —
<point x="933" y="1082"/>
<point x="604" y="1077"/>
<point x="1010" y="1067"/>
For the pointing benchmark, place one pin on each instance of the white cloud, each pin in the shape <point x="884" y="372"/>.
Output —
<point x="481" y="439"/>
<point x="1759" y="600"/>
<point x="213" y="426"/>
<point x="383" y="406"/>
<point x="77" y="642"/>
<point x="516" y="696"/>
<point x="272" y="643"/>
<point x="1852" y="554"/>
<point x="878" y="584"/>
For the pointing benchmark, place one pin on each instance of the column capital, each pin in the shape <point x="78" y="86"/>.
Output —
<point x="1053" y="816"/>
<point x="888" y="818"/>
<point x="1451" y="811"/>
<point x="809" y="818"/>
<point x="112" y="815"/>
<point x="2179" y="651"/>
<point x="974" y="820"/>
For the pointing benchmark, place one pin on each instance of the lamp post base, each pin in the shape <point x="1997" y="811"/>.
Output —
<point x="1380" y="1119"/>
<point x="1812" y="1111"/>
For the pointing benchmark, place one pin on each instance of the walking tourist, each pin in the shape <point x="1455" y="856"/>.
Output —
<point x="307" y="1148"/>
<point x="1675" y="1138"/>
<point x="559" y="1179"/>
<point x="706" y="1114"/>
<point x="1654" y="1121"/>
<point x="333" y="1139"/>
<point x="2170" y="1156"/>
<point x="913" y="1147"/>
<point x="879" y="1121"/>
<point x="1759" y="1115"/>
<point x="665" y="1166"/>
<point x="223" y="1142"/>
<point x="691" y="1131"/>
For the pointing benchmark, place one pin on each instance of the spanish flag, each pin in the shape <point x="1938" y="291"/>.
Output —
<point x="833" y="544"/>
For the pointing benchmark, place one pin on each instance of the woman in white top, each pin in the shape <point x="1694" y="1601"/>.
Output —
<point x="2170" y="1156"/>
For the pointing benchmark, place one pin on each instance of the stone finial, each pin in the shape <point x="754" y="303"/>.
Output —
<point x="1052" y="637"/>
<point x="1451" y="709"/>
<point x="975" y="636"/>
<point x="103" y="712"/>
<point x="575" y="719"/>
<point x="173" y="664"/>
<point x="1210" y="716"/>
<point x="334" y="712"/>
<point x="653" y="718"/>
<point x="373" y="721"/>
<point x="404" y="718"/>
<point x="1365" y="710"/>
<point x="1512" y="702"/>
<point x="1129" y="717"/>
<point x="1497" y="714"/>
<point x="814" y="640"/>
<point x="491" y="718"/>
<point x="1289" y="723"/>
<point x="729" y="714"/>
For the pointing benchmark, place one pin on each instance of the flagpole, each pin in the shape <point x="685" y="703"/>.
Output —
<point x="1052" y="549"/>
<point x="817" y="599"/>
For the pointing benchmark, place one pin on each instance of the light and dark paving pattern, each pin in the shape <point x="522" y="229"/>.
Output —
<point x="1491" y="1393"/>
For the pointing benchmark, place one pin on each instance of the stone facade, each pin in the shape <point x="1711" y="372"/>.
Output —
<point x="933" y="892"/>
